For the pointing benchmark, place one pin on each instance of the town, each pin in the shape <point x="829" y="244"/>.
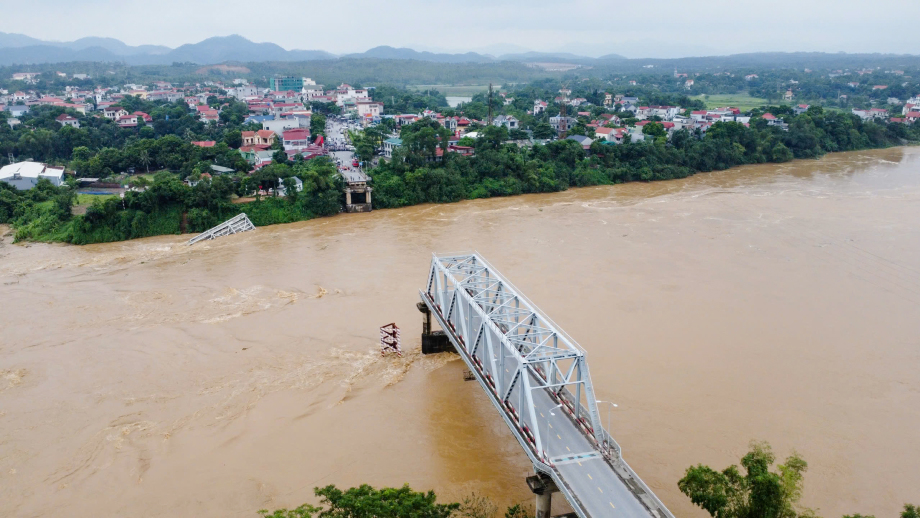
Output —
<point x="110" y="140"/>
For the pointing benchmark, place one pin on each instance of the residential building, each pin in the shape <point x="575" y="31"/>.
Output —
<point x="244" y="92"/>
<point x="583" y="140"/>
<point x="369" y="109"/>
<point x="28" y="77"/>
<point x="800" y="109"/>
<point x="295" y="139"/>
<point x="17" y="110"/>
<point x="68" y="120"/>
<point x="539" y="107"/>
<point x="25" y="175"/>
<point x="114" y="112"/>
<point x="127" y="121"/>
<point x="263" y="158"/>
<point x="258" y="138"/>
<point x="873" y="113"/>
<point x="603" y="133"/>
<point x="278" y="126"/>
<point x="508" y="121"/>
<point x="788" y="95"/>
<point x="389" y="145"/>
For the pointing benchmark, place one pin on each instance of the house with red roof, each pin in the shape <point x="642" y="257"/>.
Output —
<point x="204" y="143"/>
<point x="114" y="112"/>
<point x="127" y="121"/>
<point x="539" y="107"/>
<point x="295" y="139"/>
<point x="211" y="115"/>
<point x="603" y="133"/>
<point x="667" y="125"/>
<point x="147" y="118"/>
<point x="258" y="138"/>
<point x="68" y="120"/>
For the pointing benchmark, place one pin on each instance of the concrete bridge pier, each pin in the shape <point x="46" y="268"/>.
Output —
<point x="543" y="487"/>
<point x="432" y="341"/>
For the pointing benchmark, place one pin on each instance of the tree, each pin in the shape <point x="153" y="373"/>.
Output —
<point x="279" y="157"/>
<point x="781" y="153"/>
<point x="759" y="493"/>
<point x="477" y="506"/>
<point x="304" y="511"/>
<point x="139" y="182"/>
<point x="290" y="189"/>
<point x="144" y="158"/>
<point x="654" y="129"/>
<point x="234" y="139"/>
<point x="317" y="124"/>
<point x="543" y="131"/>
<point x="367" y="502"/>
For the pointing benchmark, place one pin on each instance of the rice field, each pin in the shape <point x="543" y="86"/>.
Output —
<point x="743" y="102"/>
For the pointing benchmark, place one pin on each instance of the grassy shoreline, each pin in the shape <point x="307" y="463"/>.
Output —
<point x="269" y="211"/>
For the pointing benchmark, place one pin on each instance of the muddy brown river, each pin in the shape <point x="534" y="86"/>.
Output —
<point x="775" y="302"/>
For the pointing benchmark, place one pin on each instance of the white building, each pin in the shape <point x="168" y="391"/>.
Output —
<point x="369" y="109"/>
<point x="68" y="120"/>
<point x="280" y="125"/>
<point x="25" y="175"/>
<point x="539" y="107"/>
<point x="346" y="92"/>
<point x="508" y="121"/>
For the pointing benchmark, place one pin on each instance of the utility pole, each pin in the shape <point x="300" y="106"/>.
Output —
<point x="563" y="119"/>
<point x="490" y="104"/>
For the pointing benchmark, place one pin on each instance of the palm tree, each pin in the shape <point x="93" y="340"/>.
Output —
<point x="144" y="158"/>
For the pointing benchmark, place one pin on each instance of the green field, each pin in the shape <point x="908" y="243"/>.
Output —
<point x="743" y="102"/>
<point x="456" y="90"/>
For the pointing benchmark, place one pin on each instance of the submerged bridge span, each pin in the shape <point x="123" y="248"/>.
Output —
<point x="537" y="378"/>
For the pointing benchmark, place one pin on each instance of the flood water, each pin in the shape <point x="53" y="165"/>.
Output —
<point x="774" y="302"/>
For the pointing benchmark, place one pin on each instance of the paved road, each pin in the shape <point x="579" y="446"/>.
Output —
<point x="335" y="133"/>
<point x="601" y="491"/>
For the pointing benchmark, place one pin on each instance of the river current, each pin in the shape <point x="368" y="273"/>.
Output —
<point x="773" y="302"/>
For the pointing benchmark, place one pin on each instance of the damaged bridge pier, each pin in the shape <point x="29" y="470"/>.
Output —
<point x="432" y="341"/>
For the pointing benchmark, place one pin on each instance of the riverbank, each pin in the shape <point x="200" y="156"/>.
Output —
<point x="132" y="224"/>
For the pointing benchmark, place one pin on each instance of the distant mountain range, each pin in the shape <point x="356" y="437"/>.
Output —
<point x="22" y="49"/>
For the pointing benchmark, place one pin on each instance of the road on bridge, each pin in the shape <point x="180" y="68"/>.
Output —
<point x="601" y="491"/>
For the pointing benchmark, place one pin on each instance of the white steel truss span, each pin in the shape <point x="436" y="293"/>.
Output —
<point x="515" y="350"/>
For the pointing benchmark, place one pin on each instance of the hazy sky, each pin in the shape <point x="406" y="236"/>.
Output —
<point x="646" y="28"/>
